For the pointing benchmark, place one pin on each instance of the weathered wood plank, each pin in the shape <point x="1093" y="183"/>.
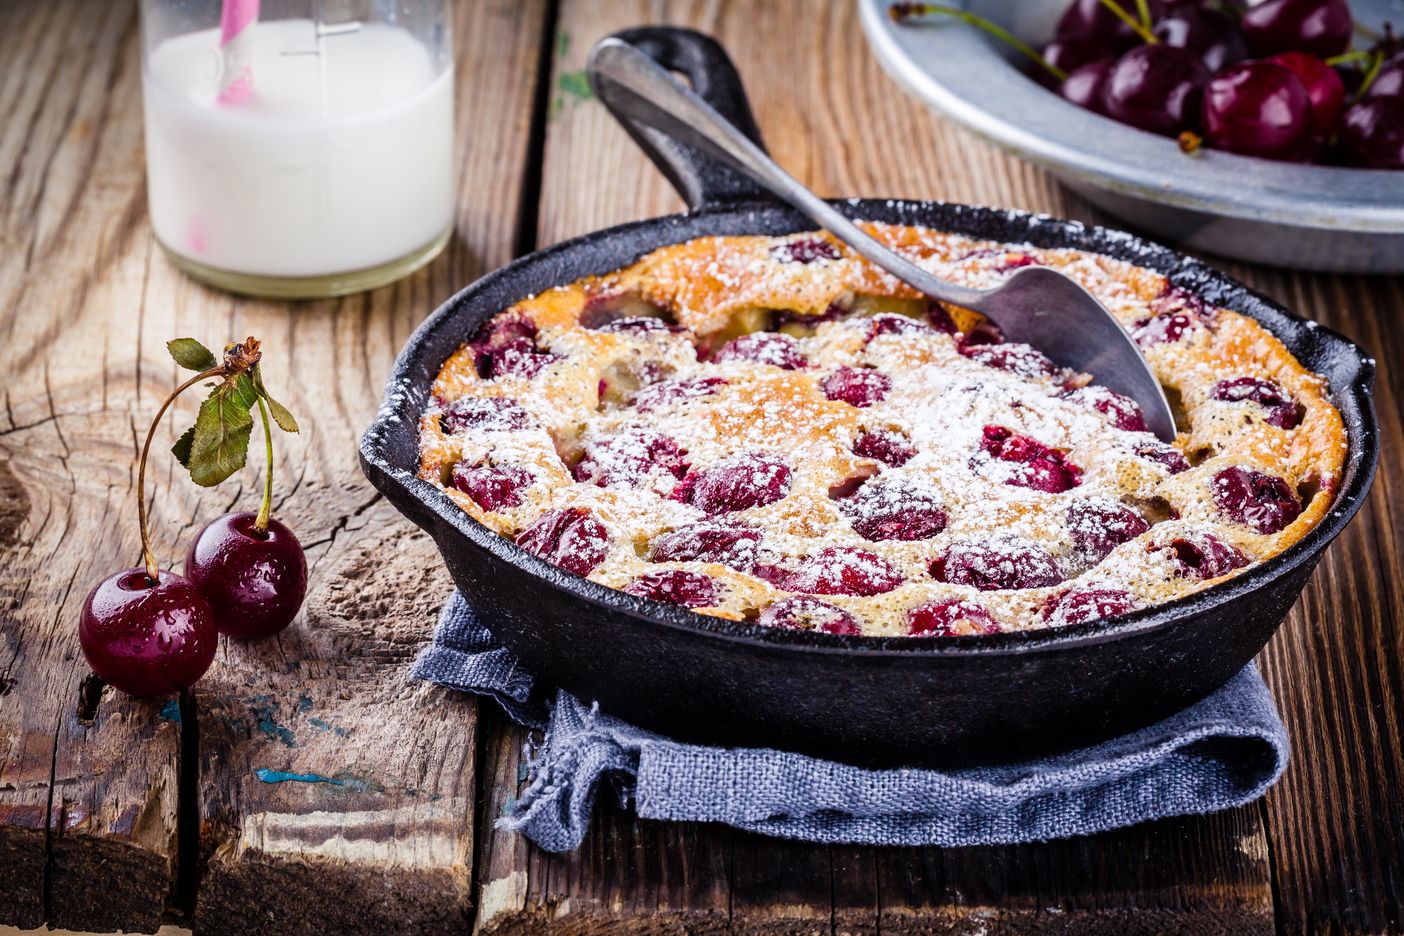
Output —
<point x="335" y="794"/>
<point x="820" y="99"/>
<point x="103" y="781"/>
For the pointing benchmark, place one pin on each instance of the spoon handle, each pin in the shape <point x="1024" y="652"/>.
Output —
<point x="638" y="91"/>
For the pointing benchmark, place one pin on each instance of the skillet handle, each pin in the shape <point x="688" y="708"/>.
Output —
<point x="700" y="179"/>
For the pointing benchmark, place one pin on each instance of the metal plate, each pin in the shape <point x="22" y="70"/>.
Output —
<point x="1305" y="217"/>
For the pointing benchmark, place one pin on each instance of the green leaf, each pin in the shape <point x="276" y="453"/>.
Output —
<point x="281" y="416"/>
<point x="181" y="450"/>
<point x="221" y="443"/>
<point x="190" y="354"/>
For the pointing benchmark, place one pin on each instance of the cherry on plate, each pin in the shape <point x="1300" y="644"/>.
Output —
<point x="1211" y="35"/>
<point x="145" y="639"/>
<point x="1323" y="86"/>
<point x="1156" y="88"/>
<point x="1372" y="133"/>
<point x="1319" y="27"/>
<point x="1086" y="85"/>
<point x="1258" y="109"/>
<point x="255" y="582"/>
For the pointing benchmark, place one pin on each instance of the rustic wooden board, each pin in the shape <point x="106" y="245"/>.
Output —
<point x="332" y="791"/>
<point x="822" y="103"/>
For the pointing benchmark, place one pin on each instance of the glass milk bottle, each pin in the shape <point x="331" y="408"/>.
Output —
<point x="299" y="148"/>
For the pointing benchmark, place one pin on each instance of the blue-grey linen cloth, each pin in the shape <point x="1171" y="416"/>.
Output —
<point x="1223" y="751"/>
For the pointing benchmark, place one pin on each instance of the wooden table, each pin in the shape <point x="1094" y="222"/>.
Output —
<point x="306" y="785"/>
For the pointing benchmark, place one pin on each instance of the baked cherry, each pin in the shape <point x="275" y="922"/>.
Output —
<point x="1279" y="409"/>
<point x="805" y="250"/>
<point x="671" y="392"/>
<point x="492" y="487"/>
<point x="983" y="332"/>
<point x="488" y="414"/>
<point x="841" y="570"/>
<point x="1016" y="358"/>
<point x="630" y="458"/>
<point x="1257" y="109"/>
<point x="950" y="617"/>
<point x="1086" y="603"/>
<point x="253" y="574"/>
<point x="1324" y="89"/>
<point x="888" y="447"/>
<point x="1263" y="502"/>
<point x="940" y="318"/>
<point x="570" y="538"/>
<point x="1098" y="526"/>
<point x="508" y="346"/>
<point x="637" y="325"/>
<point x="1319" y="27"/>
<point x="1165" y="455"/>
<point x="1372" y="133"/>
<point x="730" y="544"/>
<point x="803" y="612"/>
<point x="1121" y="411"/>
<point x="1156" y="88"/>
<point x="889" y="323"/>
<point x="861" y="387"/>
<point x="675" y="586"/>
<point x="147" y="639"/>
<point x="773" y="348"/>
<point x="1000" y="562"/>
<point x="1164" y="328"/>
<point x="894" y="510"/>
<point x="1028" y="462"/>
<point x="736" y="483"/>
<point x="1200" y="555"/>
<point x="1086" y="85"/>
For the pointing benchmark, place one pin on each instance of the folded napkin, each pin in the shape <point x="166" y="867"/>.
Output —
<point x="1223" y="751"/>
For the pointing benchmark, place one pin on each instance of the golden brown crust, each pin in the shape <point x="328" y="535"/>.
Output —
<point x="715" y="289"/>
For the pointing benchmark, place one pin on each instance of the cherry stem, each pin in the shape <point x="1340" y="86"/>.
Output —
<point x="1143" y="8"/>
<point x="153" y="572"/>
<point x="1371" y="73"/>
<point x="265" y="510"/>
<point x="1346" y="58"/>
<point x="902" y="11"/>
<point x="1140" y="30"/>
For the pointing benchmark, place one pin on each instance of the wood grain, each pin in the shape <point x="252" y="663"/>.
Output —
<point x="822" y="102"/>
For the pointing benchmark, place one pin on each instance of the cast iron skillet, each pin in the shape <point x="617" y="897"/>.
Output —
<point x="864" y="700"/>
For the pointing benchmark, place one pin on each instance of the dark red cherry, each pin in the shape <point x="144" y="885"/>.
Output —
<point x="890" y="448"/>
<point x="894" y="510"/>
<point x="487" y="414"/>
<point x="570" y="538"/>
<point x="637" y="325"/>
<point x="144" y="639"/>
<point x="1279" y="409"/>
<point x="507" y="346"/>
<point x="1163" y="454"/>
<point x="839" y="570"/>
<point x="1257" y="109"/>
<point x="1015" y="358"/>
<point x="773" y="348"/>
<point x="1000" y="562"/>
<point x="803" y="612"/>
<point x="254" y="582"/>
<point x="861" y="387"/>
<point x="731" y="544"/>
<point x="1087" y="603"/>
<point x="940" y="318"/>
<point x="1072" y="54"/>
<point x="950" y="617"/>
<point x="1122" y="412"/>
<point x="805" y="250"/>
<point x="1204" y="556"/>
<point x="1092" y="21"/>
<point x="736" y="483"/>
<point x="1099" y="526"/>
<point x="671" y="392"/>
<point x="1389" y="80"/>
<point x="1372" y="133"/>
<point x="490" y="486"/>
<point x="675" y="586"/>
<point x="1209" y="34"/>
<point x="1086" y="85"/>
<point x="1164" y="329"/>
<point x="1030" y="463"/>
<point x="1323" y="87"/>
<point x="888" y="323"/>
<point x="981" y="333"/>
<point x="1263" y="502"/>
<point x="630" y="458"/>
<point x="1172" y="299"/>
<point x="1156" y="88"/>
<point x="1319" y="27"/>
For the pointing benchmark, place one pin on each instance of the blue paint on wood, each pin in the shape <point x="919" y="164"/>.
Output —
<point x="283" y="776"/>
<point x="170" y="711"/>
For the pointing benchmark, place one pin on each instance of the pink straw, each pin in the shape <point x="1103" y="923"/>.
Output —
<point x="236" y="22"/>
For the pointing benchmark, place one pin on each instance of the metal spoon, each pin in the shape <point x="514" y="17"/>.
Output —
<point x="1035" y="305"/>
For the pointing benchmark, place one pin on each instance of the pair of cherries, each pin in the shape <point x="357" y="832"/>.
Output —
<point x="150" y="632"/>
